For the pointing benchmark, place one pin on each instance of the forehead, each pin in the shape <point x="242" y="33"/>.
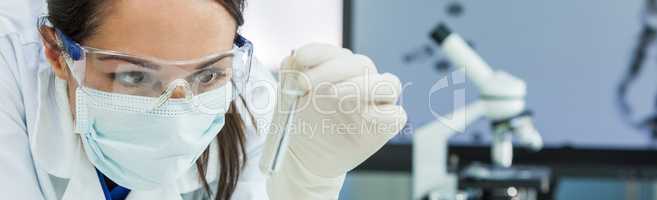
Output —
<point x="166" y="29"/>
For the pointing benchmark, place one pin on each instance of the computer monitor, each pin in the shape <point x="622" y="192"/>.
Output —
<point x="572" y="55"/>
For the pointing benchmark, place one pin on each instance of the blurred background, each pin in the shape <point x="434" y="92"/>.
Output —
<point x="590" y="68"/>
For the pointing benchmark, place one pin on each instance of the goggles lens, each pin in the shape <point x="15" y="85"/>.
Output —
<point x="201" y="82"/>
<point x="133" y="76"/>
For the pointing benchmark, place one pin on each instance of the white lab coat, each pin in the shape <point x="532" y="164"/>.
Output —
<point x="40" y="157"/>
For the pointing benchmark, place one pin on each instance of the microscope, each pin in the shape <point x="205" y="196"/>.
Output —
<point x="502" y="101"/>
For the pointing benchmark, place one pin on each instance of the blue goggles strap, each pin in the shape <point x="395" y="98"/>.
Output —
<point x="240" y="41"/>
<point x="74" y="49"/>
<point x="71" y="47"/>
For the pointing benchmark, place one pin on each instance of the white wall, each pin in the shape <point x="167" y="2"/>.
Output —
<point x="276" y="27"/>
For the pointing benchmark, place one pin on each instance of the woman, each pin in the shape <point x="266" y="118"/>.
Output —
<point x="161" y="100"/>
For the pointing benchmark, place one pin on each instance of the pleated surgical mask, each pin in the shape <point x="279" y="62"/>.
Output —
<point x="143" y="150"/>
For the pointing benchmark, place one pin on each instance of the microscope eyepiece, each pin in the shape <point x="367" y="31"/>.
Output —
<point x="440" y="33"/>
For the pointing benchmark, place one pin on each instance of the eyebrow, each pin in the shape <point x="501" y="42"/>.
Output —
<point x="136" y="61"/>
<point x="151" y="65"/>
<point x="213" y="60"/>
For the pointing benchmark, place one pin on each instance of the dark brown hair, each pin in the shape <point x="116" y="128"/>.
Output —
<point x="79" y="19"/>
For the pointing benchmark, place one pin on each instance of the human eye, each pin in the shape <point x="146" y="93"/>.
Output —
<point x="209" y="77"/>
<point x="133" y="78"/>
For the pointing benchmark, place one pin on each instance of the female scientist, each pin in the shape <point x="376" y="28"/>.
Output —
<point x="159" y="99"/>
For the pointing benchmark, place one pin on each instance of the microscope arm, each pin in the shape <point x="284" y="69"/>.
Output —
<point x="462" y="56"/>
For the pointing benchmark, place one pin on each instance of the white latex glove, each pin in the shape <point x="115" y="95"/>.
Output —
<point x="348" y="112"/>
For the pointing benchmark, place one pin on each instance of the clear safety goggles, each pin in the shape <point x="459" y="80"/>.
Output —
<point x="158" y="81"/>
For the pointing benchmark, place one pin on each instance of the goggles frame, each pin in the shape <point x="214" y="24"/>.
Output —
<point x="75" y="52"/>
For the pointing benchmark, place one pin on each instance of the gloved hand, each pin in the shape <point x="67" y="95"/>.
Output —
<point x="347" y="112"/>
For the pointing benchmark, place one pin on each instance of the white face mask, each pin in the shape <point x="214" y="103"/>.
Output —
<point x="143" y="150"/>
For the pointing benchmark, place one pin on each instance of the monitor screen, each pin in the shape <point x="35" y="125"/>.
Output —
<point x="572" y="55"/>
